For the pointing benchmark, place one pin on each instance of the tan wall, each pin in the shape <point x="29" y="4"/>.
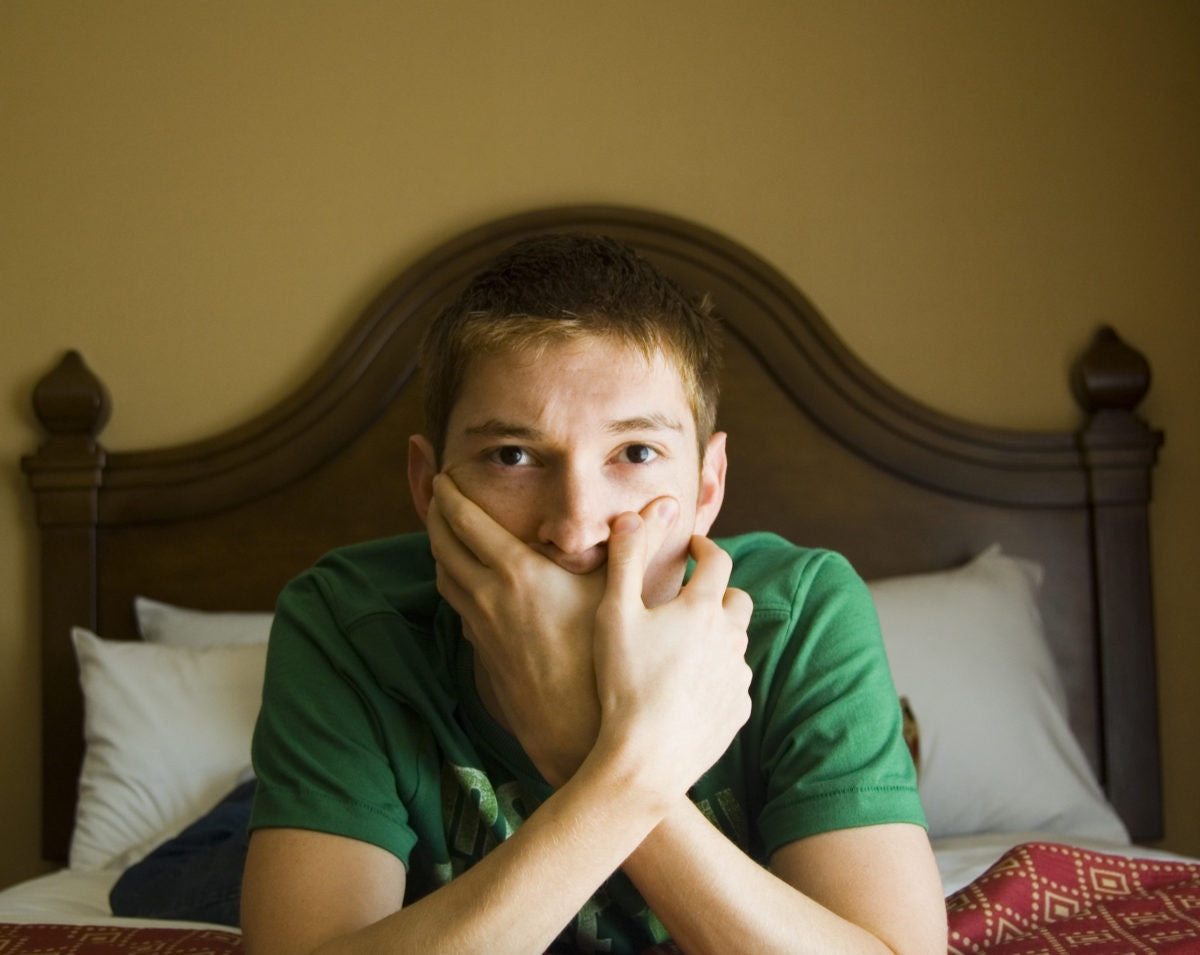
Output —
<point x="201" y="197"/>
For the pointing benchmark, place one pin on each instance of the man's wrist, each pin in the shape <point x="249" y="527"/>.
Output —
<point x="634" y="773"/>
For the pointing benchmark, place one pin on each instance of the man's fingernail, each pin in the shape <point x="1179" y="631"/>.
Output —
<point x="667" y="509"/>
<point x="626" y="523"/>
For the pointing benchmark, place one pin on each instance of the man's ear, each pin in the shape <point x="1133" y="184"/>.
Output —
<point x="712" y="483"/>
<point x="422" y="466"/>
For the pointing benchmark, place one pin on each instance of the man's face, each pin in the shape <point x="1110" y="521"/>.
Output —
<point x="555" y="447"/>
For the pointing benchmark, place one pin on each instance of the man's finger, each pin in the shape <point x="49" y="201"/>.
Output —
<point x="627" y="558"/>
<point x="713" y="567"/>
<point x="454" y="558"/>
<point x="491" y="544"/>
<point x="739" y="605"/>
<point x="659" y="517"/>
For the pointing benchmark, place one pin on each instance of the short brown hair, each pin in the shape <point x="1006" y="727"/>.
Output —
<point x="555" y="287"/>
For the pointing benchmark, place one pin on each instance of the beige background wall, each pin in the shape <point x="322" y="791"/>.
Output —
<point x="200" y="196"/>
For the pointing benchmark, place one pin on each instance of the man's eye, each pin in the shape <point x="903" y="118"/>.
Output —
<point x="640" y="454"/>
<point x="511" y="456"/>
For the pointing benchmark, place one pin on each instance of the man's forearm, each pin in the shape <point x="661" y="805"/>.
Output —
<point x="522" y="894"/>
<point x="712" y="897"/>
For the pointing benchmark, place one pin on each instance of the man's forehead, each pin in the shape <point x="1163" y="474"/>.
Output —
<point x="611" y="386"/>
<point x="591" y="360"/>
<point x="624" y="352"/>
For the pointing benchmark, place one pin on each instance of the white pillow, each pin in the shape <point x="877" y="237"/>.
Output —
<point x="168" y="735"/>
<point x="163" y="623"/>
<point x="997" y="753"/>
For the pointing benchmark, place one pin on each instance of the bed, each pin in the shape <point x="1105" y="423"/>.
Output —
<point x="1011" y="571"/>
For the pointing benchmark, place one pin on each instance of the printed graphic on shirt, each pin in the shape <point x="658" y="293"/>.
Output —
<point x="724" y="811"/>
<point x="478" y="817"/>
<point x="587" y="925"/>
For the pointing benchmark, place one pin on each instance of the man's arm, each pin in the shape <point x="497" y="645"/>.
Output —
<point x="708" y="893"/>
<point x="870" y="889"/>
<point x="530" y="623"/>
<point x="306" y="892"/>
<point x="312" y="892"/>
<point x="861" y="890"/>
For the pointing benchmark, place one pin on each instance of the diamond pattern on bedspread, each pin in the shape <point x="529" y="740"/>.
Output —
<point x="35" y="939"/>
<point x="1047" y="899"/>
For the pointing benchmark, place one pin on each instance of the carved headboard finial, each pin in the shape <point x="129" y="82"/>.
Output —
<point x="1111" y="375"/>
<point x="70" y="401"/>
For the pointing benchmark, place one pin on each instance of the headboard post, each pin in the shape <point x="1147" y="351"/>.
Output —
<point x="1119" y="450"/>
<point x="65" y="474"/>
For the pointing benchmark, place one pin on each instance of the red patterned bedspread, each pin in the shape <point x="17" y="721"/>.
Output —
<point x="1038" y="899"/>
<point x="18" y="939"/>
<point x="1047" y="899"/>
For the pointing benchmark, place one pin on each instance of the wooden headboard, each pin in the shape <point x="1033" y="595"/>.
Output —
<point x="821" y="450"/>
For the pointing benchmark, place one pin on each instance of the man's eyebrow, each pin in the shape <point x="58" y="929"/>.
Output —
<point x="495" y="428"/>
<point x="650" y="422"/>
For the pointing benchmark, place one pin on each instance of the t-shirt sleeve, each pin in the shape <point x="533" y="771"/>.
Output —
<point x="833" y="750"/>
<point x="317" y="751"/>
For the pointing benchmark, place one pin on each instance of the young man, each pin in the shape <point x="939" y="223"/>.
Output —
<point x="524" y="730"/>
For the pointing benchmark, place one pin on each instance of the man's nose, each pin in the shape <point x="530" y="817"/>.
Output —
<point x="577" y="515"/>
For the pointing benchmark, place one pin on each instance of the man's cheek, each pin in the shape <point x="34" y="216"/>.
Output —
<point x="496" y="503"/>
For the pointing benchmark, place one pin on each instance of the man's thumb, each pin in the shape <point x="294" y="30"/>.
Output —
<point x="659" y="517"/>
<point x="627" y="558"/>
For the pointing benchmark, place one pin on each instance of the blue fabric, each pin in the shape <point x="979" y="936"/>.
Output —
<point x="197" y="876"/>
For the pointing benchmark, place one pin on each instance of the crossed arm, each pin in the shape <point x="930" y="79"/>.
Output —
<point x="621" y="729"/>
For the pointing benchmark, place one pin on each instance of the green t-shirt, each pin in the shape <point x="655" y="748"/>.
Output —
<point x="371" y="726"/>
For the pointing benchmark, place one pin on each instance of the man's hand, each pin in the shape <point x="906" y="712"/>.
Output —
<point x="531" y="624"/>
<point x="672" y="680"/>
